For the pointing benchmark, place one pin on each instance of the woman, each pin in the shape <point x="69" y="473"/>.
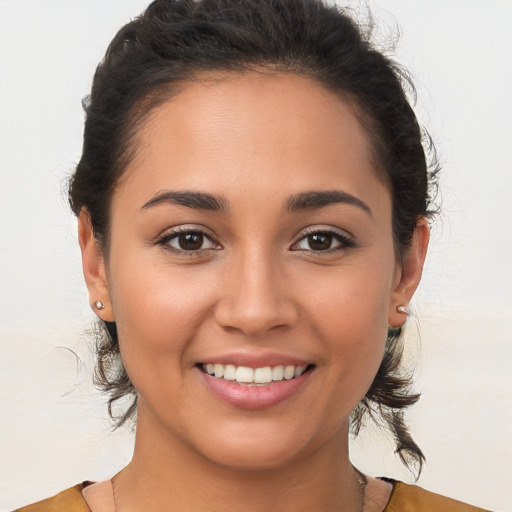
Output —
<point x="252" y="202"/>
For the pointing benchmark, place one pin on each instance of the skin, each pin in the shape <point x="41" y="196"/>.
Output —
<point x="256" y="286"/>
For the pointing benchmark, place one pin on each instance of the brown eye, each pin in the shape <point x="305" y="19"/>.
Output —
<point x="190" y="241"/>
<point x="319" y="242"/>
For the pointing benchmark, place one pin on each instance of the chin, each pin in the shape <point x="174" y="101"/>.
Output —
<point x="252" y="456"/>
<point x="263" y="446"/>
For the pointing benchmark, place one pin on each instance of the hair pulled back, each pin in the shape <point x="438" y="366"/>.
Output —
<point x="175" y="41"/>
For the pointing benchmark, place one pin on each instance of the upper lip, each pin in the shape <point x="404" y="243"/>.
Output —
<point x="259" y="360"/>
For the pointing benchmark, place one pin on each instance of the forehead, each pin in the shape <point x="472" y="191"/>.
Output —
<point x="263" y="129"/>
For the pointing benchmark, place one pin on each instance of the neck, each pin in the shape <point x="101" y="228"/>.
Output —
<point x="165" y="472"/>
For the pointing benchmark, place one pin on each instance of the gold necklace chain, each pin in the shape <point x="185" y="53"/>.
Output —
<point x="361" y="478"/>
<point x="113" y="480"/>
<point x="363" y="481"/>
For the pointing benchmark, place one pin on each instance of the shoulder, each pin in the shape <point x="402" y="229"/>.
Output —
<point x="411" y="498"/>
<point x="70" y="500"/>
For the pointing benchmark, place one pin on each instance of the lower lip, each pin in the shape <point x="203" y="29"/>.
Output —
<point x="254" y="397"/>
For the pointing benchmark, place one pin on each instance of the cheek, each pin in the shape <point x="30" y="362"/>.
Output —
<point x="355" y="337"/>
<point x="349" y="313"/>
<point x="157" y="309"/>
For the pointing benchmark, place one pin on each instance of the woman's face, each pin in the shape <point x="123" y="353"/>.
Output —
<point x="251" y="231"/>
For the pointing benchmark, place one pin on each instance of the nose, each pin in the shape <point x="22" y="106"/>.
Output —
<point x="255" y="297"/>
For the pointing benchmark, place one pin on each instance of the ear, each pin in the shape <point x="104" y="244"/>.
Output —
<point x="408" y="278"/>
<point x="93" y="264"/>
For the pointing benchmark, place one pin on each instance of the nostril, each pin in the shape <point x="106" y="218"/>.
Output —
<point x="253" y="320"/>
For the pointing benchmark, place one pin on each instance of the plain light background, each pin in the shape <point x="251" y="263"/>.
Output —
<point x="53" y="429"/>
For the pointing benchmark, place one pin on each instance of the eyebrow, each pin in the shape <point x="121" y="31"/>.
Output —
<point x="317" y="199"/>
<point x="190" y="199"/>
<point x="304" y="201"/>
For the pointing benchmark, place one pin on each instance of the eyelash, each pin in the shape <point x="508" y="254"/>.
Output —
<point x="344" y="240"/>
<point x="165" y="240"/>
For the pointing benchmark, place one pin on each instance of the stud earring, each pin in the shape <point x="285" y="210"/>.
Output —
<point x="99" y="305"/>
<point x="402" y="309"/>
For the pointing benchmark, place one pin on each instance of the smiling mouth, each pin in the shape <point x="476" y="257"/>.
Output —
<point x="254" y="376"/>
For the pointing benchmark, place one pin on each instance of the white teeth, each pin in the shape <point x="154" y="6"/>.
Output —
<point x="218" y="370"/>
<point x="246" y="375"/>
<point x="289" y="372"/>
<point x="230" y="372"/>
<point x="299" y="371"/>
<point x="278" y="372"/>
<point x="263" y="375"/>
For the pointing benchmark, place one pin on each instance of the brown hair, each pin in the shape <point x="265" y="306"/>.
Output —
<point x="175" y="40"/>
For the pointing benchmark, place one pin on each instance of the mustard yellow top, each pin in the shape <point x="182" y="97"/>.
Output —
<point x="404" y="498"/>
